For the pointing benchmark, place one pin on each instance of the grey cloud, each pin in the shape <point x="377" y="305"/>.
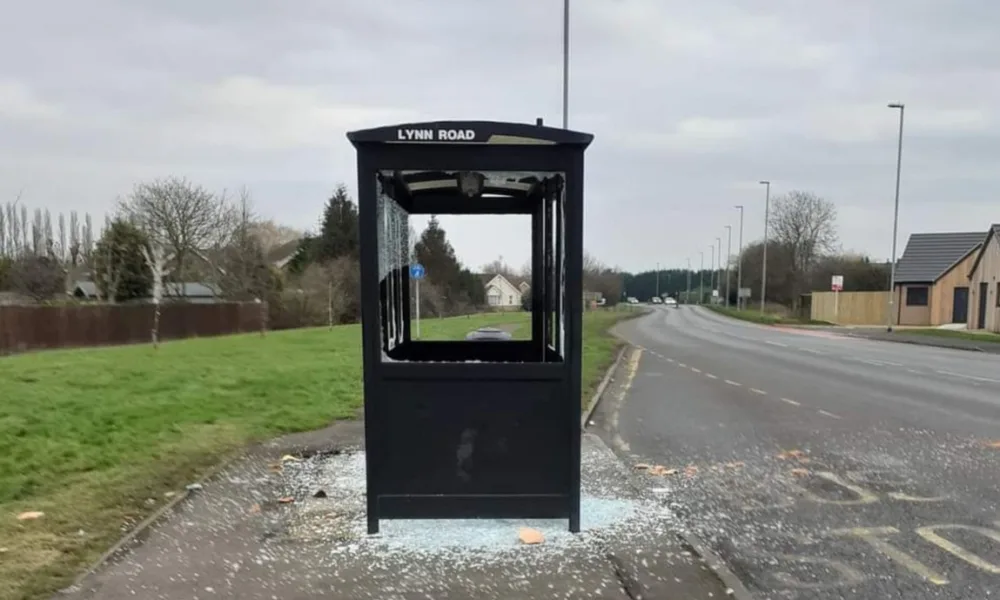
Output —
<point x="691" y="103"/>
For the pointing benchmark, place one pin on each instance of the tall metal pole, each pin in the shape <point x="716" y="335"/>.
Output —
<point x="718" y="279"/>
<point x="763" y="270"/>
<point x="687" y="296"/>
<point x="729" y="257"/>
<point x="711" y="265"/>
<point x="701" y="279"/>
<point x="895" y="217"/>
<point x="565" y="90"/>
<point x="739" y="263"/>
<point x="657" y="280"/>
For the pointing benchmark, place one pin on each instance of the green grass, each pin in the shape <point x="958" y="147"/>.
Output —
<point x="755" y="316"/>
<point x="88" y="436"/>
<point x="988" y="338"/>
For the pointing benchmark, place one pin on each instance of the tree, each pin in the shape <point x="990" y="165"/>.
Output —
<point x="459" y="287"/>
<point x="339" y="228"/>
<point x="242" y="270"/>
<point x="272" y="234"/>
<point x="499" y="267"/>
<point x="186" y="218"/>
<point x="121" y="271"/>
<point x="38" y="277"/>
<point x="805" y="226"/>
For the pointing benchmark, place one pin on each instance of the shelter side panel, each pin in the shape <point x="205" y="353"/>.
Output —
<point x="475" y="437"/>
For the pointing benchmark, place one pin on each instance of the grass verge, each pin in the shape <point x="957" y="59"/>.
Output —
<point x="755" y="316"/>
<point x="985" y="338"/>
<point x="96" y="438"/>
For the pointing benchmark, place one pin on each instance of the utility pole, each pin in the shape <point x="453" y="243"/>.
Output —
<point x="763" y="269"/>
<point x="729" y="257"/>
<point x="739" y="263"/>
<point x="701" y="279"/>
<point x="895" y="216"/>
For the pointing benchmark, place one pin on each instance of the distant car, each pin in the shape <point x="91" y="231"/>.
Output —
<point x="671" y="302"/>
<point x="633" y="300"/>
<point x="656" y="300"/>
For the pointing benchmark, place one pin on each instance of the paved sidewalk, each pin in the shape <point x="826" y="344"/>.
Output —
<point x="234" y="539"/>
<point x="900" y="336"/>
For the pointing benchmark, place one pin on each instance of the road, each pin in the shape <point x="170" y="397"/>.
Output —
<point x="819" y="466"/>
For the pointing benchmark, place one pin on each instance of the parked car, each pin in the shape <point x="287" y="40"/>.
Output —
<point x="633" y="300"/>
<point x="671" y="302"/>
<point x="656" y="300"/>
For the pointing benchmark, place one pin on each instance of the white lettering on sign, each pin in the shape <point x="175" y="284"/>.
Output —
<point x="442" y="135"/>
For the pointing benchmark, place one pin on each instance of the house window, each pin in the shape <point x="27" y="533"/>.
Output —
<point x="998" y="293"/>
<point x="916" y="296"/>
<point x="493" y="298"/>
<point x="510" y="300"/>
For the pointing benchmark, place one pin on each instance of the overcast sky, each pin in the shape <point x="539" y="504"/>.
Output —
<point x="691" y="103"/>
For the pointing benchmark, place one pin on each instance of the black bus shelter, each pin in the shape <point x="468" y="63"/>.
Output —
<point x="472" y="428"/>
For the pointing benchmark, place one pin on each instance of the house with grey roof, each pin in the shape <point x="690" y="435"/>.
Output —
<point x="984" y="284"/>
<point x="932" y="278"/>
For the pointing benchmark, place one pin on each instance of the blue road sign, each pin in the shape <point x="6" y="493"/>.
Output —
<point x="417" y="271"/>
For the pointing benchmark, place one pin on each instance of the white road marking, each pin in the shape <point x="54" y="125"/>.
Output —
<point x="912" y="371"/>
<point x="811" y="351"/>
<point x="670" y="360"/>
<point x="682" y="365"/>
<point x="696" y="370"/>
<point x="790" y="401"/>
<point x="756" y="391"/>
<point x="776" y="344"/>
<point x="660" y="490"/>
<point x="710" y="376"/>
<point x="828" y="414"/>
<point x="972" y="377"/>
<point x="891" y="364"/>
<point x="731" y="382"/>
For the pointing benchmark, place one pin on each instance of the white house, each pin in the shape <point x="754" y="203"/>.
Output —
<point x="501" y="293"/>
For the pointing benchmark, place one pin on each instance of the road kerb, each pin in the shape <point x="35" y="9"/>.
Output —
<point x="596" y="399"/>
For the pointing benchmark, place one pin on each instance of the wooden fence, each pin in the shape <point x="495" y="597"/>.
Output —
<point x="24" y="328"/>
<point x="852" y="308"/>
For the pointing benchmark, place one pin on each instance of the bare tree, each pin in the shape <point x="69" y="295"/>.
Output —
<point x="500" y="267"/>
<point x="61" y="253"/>
<point x="25" y="230"/>
<point x="805" y="225"/>
<point x="74" y="238"/>
<point x="186" y="217"/>
<point x="47" y="235"/>
<point x="87" y="248"/>
<point x="154" y="254"/>
<point x="37" y="234"/>
<point x="272" y="234"/>
<point x="38" y="277"/>
<point x="4" y="250"/>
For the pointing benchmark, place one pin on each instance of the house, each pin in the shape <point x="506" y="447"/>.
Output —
<point x="197" y="293"/>
<point x="502" y="293"/>
<point x="984" y="284"/>
<point x="282" y="254"/>
<point x="932" y="278"/>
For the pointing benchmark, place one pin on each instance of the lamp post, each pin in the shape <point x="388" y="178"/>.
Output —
<point x="701" y="279"/>
<point x="565" y="82"/>
<point x="895" y="215"/>
<point x="687" y="296"/>
<point x="763" y="269"/>
<point x="739" y="262"/>
<point x="729" y="257"/>
<point x="711" y="265"/>
<point x="657" y="280"/>
<point x="718" y="279"/>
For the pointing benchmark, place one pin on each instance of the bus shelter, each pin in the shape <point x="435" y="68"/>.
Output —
<point x="476" y="427"/>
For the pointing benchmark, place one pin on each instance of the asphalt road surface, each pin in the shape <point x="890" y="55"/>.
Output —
<point x="819" y="466"/>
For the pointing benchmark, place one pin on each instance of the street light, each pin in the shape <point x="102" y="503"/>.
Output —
<point x="687" y="296"/>
<point x="763" y="273"/>
<point x="739" y="263"/>
<point x="657" y="280"/>
<point x="701" y="279"/>
<point x="718" y="280"/>
<point x="729" y="257"/>
<point x="565" y="90"/>
<point x="711" y="265"/>
<point x="895" y="215"/>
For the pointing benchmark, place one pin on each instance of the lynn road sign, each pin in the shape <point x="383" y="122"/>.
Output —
<point x="837" y="284"/>
<point x="417" y="271"/>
